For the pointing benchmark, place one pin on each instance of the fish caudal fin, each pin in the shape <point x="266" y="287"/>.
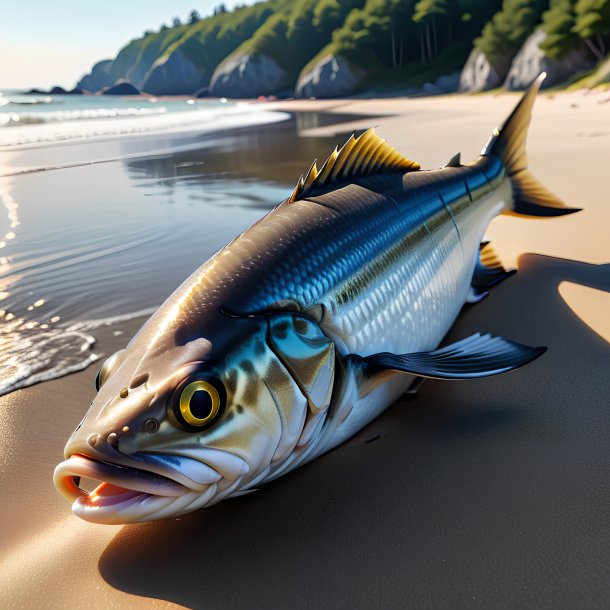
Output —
<point x="531" y="198"/>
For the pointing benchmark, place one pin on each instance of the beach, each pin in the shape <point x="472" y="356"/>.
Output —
<point x="485" y="493"/>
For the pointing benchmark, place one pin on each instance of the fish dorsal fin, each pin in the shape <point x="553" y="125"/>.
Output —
<point x="455" y="161"/>
<point x="366" y="155"/>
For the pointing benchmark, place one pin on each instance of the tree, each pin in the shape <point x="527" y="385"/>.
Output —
<point x="194" y="16"/>
<point x="426" y="12"/>
<point x="176" y="22"/>
<point x="593" y="24"/>
<point x="504" y="35"/>
<point x="558" y="23"/>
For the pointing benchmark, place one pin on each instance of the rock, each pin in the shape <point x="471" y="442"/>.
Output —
<point x="174" y="75"/>
<point x="36" y="92"/>
<point x="331" y="76"/>
<point x="531" y="61"/>
<point x="478" y="74"/>
<point x="202" y="92"/>
<point x="98" y="78"/>
<point x="75" y="91"/>
<point x="248" y="76"/>
<point x="448" y="83"/>
<point x="57" y="90"/>
<point x="430" y="89"/>
<point x="121" y="88"/>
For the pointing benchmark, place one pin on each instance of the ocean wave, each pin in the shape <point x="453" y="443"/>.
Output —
<point x="29" y="100"/>
<point x="13" y="119"/>
<point x="127" y="122"/>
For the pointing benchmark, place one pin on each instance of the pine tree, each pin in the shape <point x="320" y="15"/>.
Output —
<point x="504" y="35"/>
<point x="426" y="13"/>
<point x="558" y="23"/>
<point x="593" y="24"/>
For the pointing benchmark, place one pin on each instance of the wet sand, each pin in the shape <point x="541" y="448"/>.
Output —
<point x="487" y="493"/>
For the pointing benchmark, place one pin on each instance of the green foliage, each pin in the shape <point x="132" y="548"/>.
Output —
<point x="426" y="9"/>
<point x="392" y="33"/>
<point x="558" y="23"/>
<point x="592" y="18"/>
<point x="393" y="40"/>
<point x="503" y="36"/>
<point x="298" y="30"/>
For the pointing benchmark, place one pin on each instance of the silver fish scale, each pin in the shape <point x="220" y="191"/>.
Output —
<point x="386" y="256"/>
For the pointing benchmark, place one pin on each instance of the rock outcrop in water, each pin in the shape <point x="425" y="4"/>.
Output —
<point x="330" y="76"/>
<point x="98" y="78"/>
<point x="531" y="61"/>
<point x="121" y="88"/>
<point x="248" y="76"/>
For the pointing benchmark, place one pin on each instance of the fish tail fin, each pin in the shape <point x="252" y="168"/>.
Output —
<point x="530" y="197"/>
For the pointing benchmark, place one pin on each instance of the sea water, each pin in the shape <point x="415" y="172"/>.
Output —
<point x="107" y="204"/>
<point x="34" y="119"/>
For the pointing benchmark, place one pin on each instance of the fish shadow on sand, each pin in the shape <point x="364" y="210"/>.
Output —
<point x="469" y="488"/>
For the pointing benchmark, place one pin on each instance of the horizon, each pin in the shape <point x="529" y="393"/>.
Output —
<point x="63" y="42"/>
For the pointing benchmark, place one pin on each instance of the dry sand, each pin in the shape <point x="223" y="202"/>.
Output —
<point x="487" y="493"/>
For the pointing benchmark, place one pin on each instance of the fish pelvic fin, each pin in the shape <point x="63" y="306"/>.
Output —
<point x="530" y="197"/>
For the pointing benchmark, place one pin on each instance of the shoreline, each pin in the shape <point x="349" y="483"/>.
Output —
<point x="468" y="486"/>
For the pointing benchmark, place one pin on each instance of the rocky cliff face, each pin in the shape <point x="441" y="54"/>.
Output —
<point x="331" y="76"/>
<point x="478" y="74"/>
<point x="98" y="78"/>
<point x="174" y="75"/>
<point x="531" y="61"/>
<point x="244" y="76"/>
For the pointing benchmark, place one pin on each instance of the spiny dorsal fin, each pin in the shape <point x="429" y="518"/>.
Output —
<point x="366" y="155"/>
<point x="455" y="161"/>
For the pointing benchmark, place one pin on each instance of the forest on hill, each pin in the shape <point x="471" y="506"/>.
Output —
<point x="328" y="48"/>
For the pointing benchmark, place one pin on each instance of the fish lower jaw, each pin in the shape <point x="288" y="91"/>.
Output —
<point x="128" y="506"/>
<point x="109" y="494"/>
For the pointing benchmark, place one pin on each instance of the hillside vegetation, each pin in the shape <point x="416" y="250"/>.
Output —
<point x="338" y="47"/>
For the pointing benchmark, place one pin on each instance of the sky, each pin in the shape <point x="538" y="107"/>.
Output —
<point x="54" y="42"/>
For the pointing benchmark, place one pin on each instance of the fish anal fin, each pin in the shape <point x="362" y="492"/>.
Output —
<point x="489" y="271"/>
<point x="365" y="155"/>
<point x="476" y="356"/>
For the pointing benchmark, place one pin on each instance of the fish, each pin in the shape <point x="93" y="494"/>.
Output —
<point x="304" y="328"/>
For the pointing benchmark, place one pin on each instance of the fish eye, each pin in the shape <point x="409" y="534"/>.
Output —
<point x="199" y="403"/>
<point x="107" y="368"/>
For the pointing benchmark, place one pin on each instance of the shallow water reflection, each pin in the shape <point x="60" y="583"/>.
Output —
<point x="110" y="239"/>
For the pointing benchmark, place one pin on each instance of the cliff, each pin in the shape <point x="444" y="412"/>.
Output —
<point x="334" y="48"/>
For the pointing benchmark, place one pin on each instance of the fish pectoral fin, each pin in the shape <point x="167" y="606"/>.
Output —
<point x="476" y="356"/>
<point x="489" y="270"/>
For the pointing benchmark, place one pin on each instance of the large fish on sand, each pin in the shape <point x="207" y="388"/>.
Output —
<point x="303" y="329"/>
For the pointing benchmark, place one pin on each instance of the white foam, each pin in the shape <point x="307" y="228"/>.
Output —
<point x="30" y="354"/>
<point x="108" y="122"/>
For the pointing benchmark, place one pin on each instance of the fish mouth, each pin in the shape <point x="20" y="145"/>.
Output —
<point x="148" y="489"/>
